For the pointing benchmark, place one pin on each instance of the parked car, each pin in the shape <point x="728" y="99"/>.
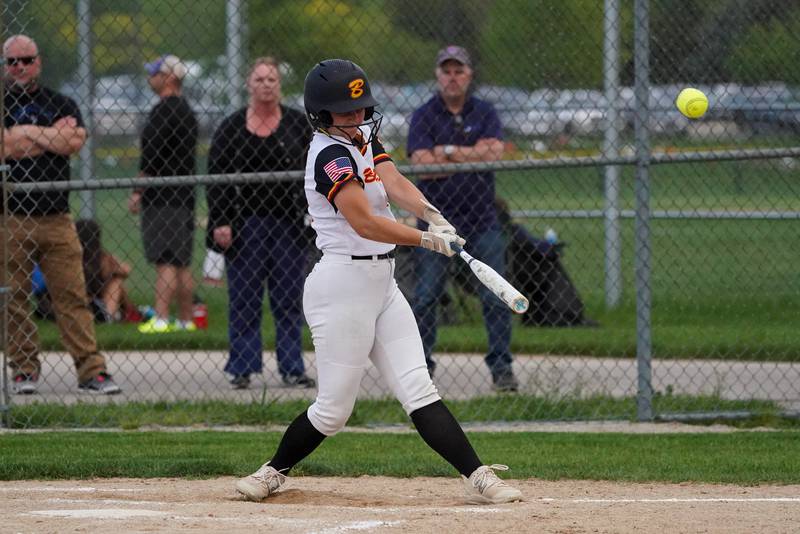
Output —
<point x="512" y="105"/>
<point x="121" y="103"/>
<point x="118" y="103"/>
<point x="581" y="110"/>
<point x="769" y="107"/>
<point x="664" y="116"/>
<point x="541" y="118"/>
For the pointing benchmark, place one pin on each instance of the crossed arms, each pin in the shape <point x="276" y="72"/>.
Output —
<point x="64" y="137"/>
<point x="487" y="149"/>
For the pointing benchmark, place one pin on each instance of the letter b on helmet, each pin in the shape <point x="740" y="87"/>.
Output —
<point x="336" y="85"/>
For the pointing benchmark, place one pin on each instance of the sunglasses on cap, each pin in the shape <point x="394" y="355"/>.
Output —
<point x="25" y="60"/>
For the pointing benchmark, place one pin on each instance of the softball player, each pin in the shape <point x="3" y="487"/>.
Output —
<point x="351" y="301"/>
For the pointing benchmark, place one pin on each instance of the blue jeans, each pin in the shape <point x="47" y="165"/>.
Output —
<point x="267" y="251"/>
<point x="431" y="277"/>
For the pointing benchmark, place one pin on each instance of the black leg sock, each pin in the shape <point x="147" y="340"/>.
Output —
<point x="443" y="434"/>
<point x="299" y="440"/>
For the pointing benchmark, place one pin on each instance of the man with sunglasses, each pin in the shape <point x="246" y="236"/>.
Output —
<point x="456" y="127"/>
<point x="41" y="130"/>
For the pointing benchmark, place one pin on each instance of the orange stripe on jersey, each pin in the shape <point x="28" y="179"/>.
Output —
<point x="363" y="150"/>
<point x="338" y="185"/>
<point x="381" y="157"/>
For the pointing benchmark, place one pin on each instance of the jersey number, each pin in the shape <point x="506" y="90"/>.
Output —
<point x="356" y="88"/>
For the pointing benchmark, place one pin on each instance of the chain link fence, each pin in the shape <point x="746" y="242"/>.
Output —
<point x="657" y="251"/>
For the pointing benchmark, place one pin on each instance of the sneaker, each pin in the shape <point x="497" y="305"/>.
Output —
<point x="155" y="325"/>
<point x="485" y="487"/>
<point x="299" y="381"/>
<point x="183" y="326"/>
<point x="505" y="382"/>
<point x="24" y="384"/>
<point x="240" y="381"/>
<point x="147" y="312"/>
<point x="102" y="383"/>
<point x="261" y="484"/>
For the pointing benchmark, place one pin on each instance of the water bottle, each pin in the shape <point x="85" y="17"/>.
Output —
<point x="551" y="236"/>
<point x="200" y="315"/>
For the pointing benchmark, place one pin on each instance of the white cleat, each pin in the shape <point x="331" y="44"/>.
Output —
<point x="261" y="484"/>
<point x="485" y="487"/>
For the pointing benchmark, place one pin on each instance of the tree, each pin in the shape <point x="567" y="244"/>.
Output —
<point x="302" y="33"/>
<point x="767" y="51"/>
<point x="540" y="43"/>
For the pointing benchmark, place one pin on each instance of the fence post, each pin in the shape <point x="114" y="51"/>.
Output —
<point x="233" y="51"/>
<point x="5" y="401"/>
<point x="86" y="91"/>
<point x="613" y="243"/>
<point x="644" y="397"/>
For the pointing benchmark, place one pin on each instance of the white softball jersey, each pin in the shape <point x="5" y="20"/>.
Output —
<point x="353" y="306"/>
<point x="330" y="165"/>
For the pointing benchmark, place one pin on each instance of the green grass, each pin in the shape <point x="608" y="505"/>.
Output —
<point x="745" y="458"/>
<point x="720" y="288"/>
<point x="132" y="415"/>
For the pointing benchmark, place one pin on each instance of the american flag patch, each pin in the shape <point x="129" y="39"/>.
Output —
<point x="338" y="168"/>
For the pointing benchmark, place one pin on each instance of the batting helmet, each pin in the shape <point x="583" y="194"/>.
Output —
<point x="339" y="86"/>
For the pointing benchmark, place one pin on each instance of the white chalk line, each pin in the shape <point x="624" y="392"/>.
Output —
<point x="668" y="500"/>
<point x="372" y="509"/>
<point x="105" y="513"/>
<point x="120" y="513"/>
<point x="357" y="525"/>
<point x="118" y="501"/>
<point x="127" y="513"/>
<point x="465" y="509"/>
<point x="81" y="489"/>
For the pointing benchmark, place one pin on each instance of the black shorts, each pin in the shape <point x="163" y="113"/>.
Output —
<point x="168" y="235"/>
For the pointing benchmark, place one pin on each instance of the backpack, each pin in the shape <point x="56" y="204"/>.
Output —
<point x="535" y="268"/>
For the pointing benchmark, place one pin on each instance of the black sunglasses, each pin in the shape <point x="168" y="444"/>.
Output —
<point x="25" y="60"/>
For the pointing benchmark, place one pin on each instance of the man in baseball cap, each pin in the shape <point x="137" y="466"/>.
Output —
<point x="455" y="126"/>
<point x="453" y="53"/>
<point x="168" y="148"/>
<point x="167" y="64"/>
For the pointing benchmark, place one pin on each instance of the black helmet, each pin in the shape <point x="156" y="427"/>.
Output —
<point x="337" y="85"/>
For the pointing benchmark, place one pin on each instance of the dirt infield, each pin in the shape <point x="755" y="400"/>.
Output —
<point x="378" y="504"/>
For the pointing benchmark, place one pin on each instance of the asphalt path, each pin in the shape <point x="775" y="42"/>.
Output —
<point x="198" y="375"/>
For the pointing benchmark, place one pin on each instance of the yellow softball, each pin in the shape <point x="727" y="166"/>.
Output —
<point x="692" y="102"/>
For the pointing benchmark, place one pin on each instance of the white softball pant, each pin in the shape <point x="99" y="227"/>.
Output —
<point x="357" y="313"/>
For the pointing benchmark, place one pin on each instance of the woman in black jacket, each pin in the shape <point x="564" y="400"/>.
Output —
<point x="259" y="226"/>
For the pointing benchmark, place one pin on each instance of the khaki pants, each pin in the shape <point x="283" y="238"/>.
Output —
<point x="52" y="242"/>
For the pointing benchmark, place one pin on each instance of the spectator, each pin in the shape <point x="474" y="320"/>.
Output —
<point x="105" y="278"/>
<point x="456" y="127"/>
<point x="260" y="226"/>
<point x="168" y="145"/>
<point x="42" y="130"/>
